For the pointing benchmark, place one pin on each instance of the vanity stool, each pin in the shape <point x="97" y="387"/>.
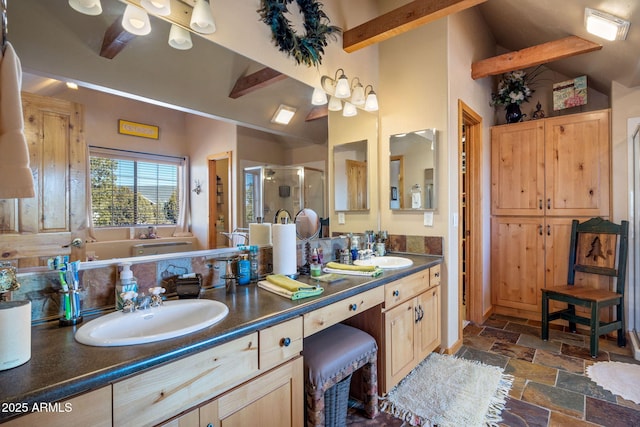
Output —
<point x="330" y="357"/>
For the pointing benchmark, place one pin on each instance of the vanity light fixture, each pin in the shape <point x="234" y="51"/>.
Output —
<point x="179" y="38"/>
<point x="136" y="21"/>
<point x="88" y="7"/>
<point x="605" y="25"/>
<point x="202" y="18"/>
<point x="283" y="115"/>
<point x="157" y="7"/>
<point x="340" y="90"/>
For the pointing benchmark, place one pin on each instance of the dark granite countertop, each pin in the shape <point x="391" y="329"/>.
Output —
<point x="60" y="367"/>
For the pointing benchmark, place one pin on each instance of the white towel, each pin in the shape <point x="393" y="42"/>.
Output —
<point x="16" y="180"/>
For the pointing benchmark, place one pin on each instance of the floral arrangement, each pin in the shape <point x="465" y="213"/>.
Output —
<point x="513" y="88"/>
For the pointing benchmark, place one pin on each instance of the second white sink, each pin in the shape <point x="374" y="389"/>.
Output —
<point x="170" y="320"/>
<point x="386" y="262"/>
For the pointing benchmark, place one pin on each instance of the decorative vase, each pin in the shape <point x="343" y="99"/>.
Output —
<point x="514" y="115"/>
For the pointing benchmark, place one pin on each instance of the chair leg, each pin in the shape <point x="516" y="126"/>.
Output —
<point x="622" y="337"/>
<point x="545" y="317"/>
<point x="370" y="387"/>
<point x="594" y="332"/>
<point x="572" y="314"/>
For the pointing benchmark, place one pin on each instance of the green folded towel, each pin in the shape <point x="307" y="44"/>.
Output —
<point x="280" y="284"/>
<point x="289" y="284"/>
<point x="348" y="267"/>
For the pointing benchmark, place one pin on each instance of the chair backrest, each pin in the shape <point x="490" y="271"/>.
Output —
<point x="599" y="247"/>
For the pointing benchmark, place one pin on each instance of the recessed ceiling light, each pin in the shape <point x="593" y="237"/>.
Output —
<point x="605" y="25"/>
<point x="283" y="115"/>
<point x="72" y="85"/>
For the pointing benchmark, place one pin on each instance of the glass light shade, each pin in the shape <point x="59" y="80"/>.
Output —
<point x="335" y="104"/>
<point x="342" y="87"/>
<point x="202" y="18"/>
<point x="319" y="97"/>
<point x="136" y="21"/>
<point x="179" y="38"/>
<point x="349" y="110"/>
<point x="371" y="104"/>
<point x="157" y="7"/>
<point x="88" y="7"/>
<point x="357" y="96"/>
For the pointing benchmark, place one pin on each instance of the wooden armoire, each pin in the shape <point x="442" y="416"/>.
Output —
<point x="544" y="173"/>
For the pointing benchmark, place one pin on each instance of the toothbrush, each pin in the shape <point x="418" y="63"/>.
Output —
<point x="74" y="267"/>
<point x="65" y="288"/>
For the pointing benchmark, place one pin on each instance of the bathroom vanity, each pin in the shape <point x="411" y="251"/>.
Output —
<point x="232" y="373"/>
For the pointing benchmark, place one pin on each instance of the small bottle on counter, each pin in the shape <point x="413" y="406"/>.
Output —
<point x="316" y="267"/>
<point x="253" y="263"/>
<point x="244" y="270"/>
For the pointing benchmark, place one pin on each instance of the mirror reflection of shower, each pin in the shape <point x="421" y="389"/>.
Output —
<point x="270" y="190"/>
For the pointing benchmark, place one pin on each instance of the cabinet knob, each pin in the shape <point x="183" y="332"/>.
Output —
<point x="210" y="425"/>
<point x="285" y="342"/>
<point x="396" y="293"/>
<point x="353" y="307"/>
<point x="437" y="274"/>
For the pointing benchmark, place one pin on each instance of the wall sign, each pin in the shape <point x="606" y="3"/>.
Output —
<point x="126" y="127"/>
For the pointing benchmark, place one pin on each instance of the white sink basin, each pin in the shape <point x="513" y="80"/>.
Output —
<point x="386" y="262"/>
<point x="170" y="320"/>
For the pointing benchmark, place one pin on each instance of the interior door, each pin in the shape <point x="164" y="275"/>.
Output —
<point x="37" y="228"/>
<point x="356" y="184"/>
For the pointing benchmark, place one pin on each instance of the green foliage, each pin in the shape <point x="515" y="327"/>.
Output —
<point x="307" y="49"/>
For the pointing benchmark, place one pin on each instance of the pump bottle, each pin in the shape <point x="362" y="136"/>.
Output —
<point x="126" y="283"/>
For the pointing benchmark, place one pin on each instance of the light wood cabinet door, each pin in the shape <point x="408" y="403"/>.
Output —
<point x="399" y="342"/>
<point x="517" y="169"/>
<point x="428" y="325"/>
<point x="577" y="157"/>
<point x="274" y="399"/>
<point x="517" y="262"/>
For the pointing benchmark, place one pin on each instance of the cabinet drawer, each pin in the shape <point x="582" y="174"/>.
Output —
<point x="434" y="276"/>
<point x="280" y="343"/>
<point x="405" y="288"/>
<point x="327" y="316"/>
<point x="157" y="395"/>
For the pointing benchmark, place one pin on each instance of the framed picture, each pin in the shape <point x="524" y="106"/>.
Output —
<point x="394" y="193"/>
<point x="142" y="130"/>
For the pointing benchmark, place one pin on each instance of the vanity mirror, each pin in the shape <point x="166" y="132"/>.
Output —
<point x="350" y="173"/>
<point x="413" y="171"/>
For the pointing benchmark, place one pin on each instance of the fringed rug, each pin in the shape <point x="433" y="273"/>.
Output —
<point x="448" y="391"/>
<point x="617" y="377"/>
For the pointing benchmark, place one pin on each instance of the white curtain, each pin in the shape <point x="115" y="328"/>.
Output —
<point x="182" y="226"/>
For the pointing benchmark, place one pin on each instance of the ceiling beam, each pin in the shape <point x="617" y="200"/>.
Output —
<point x="532" y="56"/>
<point x="115" y="39"/>
<point x="258" y="80"/>
<point x="401" y="20"/>
<point x="317" y="112"/>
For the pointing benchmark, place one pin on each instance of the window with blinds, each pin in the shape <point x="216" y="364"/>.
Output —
<point x="129" y="189"/>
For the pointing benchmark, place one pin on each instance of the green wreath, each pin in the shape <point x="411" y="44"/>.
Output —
<point x="305" y="50"/>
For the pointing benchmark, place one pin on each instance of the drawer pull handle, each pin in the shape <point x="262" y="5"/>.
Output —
<point x="396" y="293"/>
<point x="285" y="342"/>
<point x="353" y="307"/>
<point x="437" y="274"/>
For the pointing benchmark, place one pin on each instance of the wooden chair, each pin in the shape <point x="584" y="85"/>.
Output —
<point x="597" y="254"/>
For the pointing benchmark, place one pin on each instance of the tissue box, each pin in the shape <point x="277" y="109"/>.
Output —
<point x="189" y="287"/>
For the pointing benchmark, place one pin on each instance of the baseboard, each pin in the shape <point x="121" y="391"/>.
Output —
<point x="635" y="344"/>
<point x="454" y="348"/>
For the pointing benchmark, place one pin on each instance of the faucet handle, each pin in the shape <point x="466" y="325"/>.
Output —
<point x="128" y="305"/>
<point x="156" y="295"/>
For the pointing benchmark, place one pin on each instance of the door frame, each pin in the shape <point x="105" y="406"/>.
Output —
<point x="473" y="258"/>
<point x="212" y="170"/>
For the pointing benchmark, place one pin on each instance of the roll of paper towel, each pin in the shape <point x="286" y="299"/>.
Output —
<point x="15" y="334"/>
<point x="260" y="234"/>
<point x="284" y="249"/>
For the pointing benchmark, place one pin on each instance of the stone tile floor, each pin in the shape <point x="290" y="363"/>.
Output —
<point x="550" y="386"/>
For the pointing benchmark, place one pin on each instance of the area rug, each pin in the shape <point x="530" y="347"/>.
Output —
<point x="617" y="377"/>
<point x="449" y="391"/>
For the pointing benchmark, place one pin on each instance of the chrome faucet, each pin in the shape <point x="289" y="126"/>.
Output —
<point x="144" y="302"/>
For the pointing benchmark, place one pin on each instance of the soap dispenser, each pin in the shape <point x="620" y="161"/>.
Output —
<point x="126" y="283"/>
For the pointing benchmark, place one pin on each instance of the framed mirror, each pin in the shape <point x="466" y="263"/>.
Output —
<point x="350" y="172"/>
<point x="413" y="171"/>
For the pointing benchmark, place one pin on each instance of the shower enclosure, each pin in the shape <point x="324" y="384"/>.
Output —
<point x="271" y="190"/>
